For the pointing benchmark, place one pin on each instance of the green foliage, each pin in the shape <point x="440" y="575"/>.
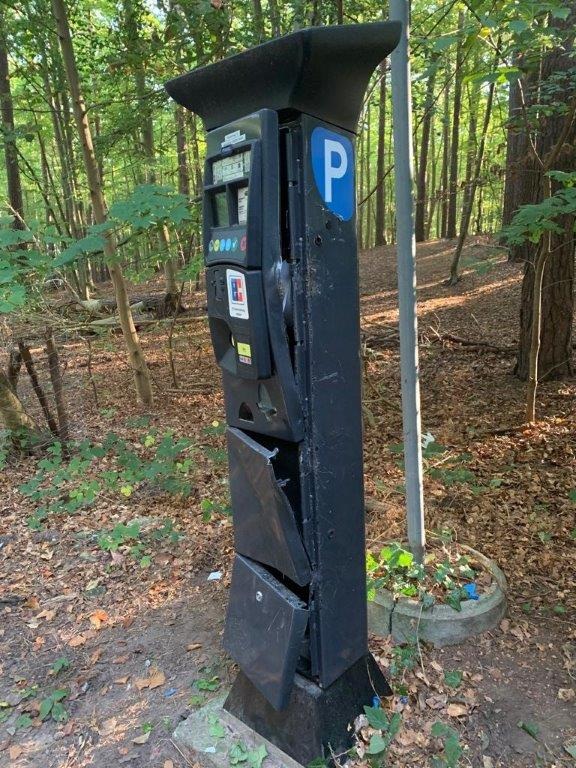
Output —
<point x="239" y="754"/>
<point x="120" y="535"/>
<point x="441" y="464"/>
<point x="452" y="751"/>
<point x="59" y="665"/>
<point x="387" y="726"/>
<point x="215" y="727"/>
<point x="66" y="486"/>
<point x="453" y="678"/>
<point x="52" y="706"/>
<point x="531" y="222"/>
<point x="208" y="683"/>
<point x="404" y="659"/>
<point x="395" y="570"/>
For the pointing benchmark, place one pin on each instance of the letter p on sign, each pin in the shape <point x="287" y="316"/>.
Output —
<point x="333" y="168"/>
<point x="333" y="151"/>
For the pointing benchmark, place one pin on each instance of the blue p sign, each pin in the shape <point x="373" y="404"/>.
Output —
<point x="333" y="167"/>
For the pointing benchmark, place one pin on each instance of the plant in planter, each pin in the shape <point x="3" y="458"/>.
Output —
<point x="456" y="593"/>
<point x="446" y="576"/>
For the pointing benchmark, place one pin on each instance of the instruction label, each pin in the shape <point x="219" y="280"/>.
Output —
<point x="233" y="138"/>
<point x="237" y="297"/>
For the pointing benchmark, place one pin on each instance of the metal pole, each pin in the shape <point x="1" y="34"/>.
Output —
<point x="406" y="257"/>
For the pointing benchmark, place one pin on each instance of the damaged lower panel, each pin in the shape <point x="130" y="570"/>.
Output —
<point x="265" y="626"/>
<point x="265" y="527"/>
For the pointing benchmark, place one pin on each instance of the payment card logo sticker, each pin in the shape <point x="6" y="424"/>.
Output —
<point x="333" y="167"/>
<point x="237" y="298"/>
<point x="244" y="353"/>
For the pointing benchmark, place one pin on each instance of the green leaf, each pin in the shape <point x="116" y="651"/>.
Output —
<point x="560" y="13"/>
<point x="59" y="714"/>
<point x="257" y="756"/>
<point x="454" y="599"/>
<point x="571" y="749"/>
<point x="23" y="721"/>
<point x="517" y="26"/>
<point x="427" y="600"/>
<point x="92" y="243"/>
<point x="405" y="559"/>
<point x="216" y="728"/>
<point x="377" y="745"/>
<point x="208" y="684"/>
<point x="530" y="728"/>
<point x="376" y="717"/>
<point x="453" y="678"/>
<point x="46" y="707"/>
<point x="444" y="42"/>
<point x="238" y="753"/>
<point x="318" y="762"/>
<point x="60" y="694"/>
<point x="59" y="665"/>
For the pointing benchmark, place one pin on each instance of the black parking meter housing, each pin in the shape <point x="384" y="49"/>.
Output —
<point x="283" y="307"/>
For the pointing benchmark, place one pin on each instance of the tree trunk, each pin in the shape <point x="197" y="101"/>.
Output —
<point x="275" y="21"/>
<point x="182" y="153"/>
<point x="515" y="148"/>
<point x="420" y="220"/>
<point x="472" y="187"/>
<point x="445" y="160"/>
<point x="57" y="385"/>
<point x="380" y="235"/>
<point x="258" y="21"/>
<point x="455" y="138"/>
<point x="7" y="113"/>
<point x="30" y="368"/>
<point x="12" y="413"/>
<point x="135" y="356"/>
<point x="554" y="138"/>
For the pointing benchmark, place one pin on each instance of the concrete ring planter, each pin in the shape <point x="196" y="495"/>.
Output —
<point x="440" y="625"/>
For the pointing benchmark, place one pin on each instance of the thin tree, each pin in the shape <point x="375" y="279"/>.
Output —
<point x="421" y="196"/>
<point x="380" y="234"/>
<point x="7" y="115"/>
<point x="473" y="186"/>
<point x="455" y="137"/>
<point x="99" y="209"/>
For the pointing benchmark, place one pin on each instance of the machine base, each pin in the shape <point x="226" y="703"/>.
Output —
<point x="316" y="721"/>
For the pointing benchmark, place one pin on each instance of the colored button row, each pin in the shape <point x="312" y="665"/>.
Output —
<point x="227" y="244"/>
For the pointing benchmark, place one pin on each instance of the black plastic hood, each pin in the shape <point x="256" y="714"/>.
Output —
<point x="322" y="71"/>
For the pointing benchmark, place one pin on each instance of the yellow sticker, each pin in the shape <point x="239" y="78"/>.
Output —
<point x="244" y="349"/>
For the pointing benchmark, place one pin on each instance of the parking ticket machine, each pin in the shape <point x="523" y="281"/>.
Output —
<point x="283" y="308"/>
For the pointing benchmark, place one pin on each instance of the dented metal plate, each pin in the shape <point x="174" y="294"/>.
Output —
<point x="265" y="526"/>
<point x="264" y="629"/>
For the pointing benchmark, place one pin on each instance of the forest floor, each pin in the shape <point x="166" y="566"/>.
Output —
<point x="131" y="635"/>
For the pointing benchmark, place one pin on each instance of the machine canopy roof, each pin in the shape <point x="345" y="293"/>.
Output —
<point x="322" y="71"/>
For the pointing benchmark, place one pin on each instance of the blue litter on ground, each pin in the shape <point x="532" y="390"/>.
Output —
<point x="471" y="592"/>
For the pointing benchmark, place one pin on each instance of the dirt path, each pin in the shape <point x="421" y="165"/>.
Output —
<point x="140" y="634"/>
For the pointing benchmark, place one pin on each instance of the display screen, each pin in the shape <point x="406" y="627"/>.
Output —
<point x="231" y="168"/>
<point x="221" y="215"/>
